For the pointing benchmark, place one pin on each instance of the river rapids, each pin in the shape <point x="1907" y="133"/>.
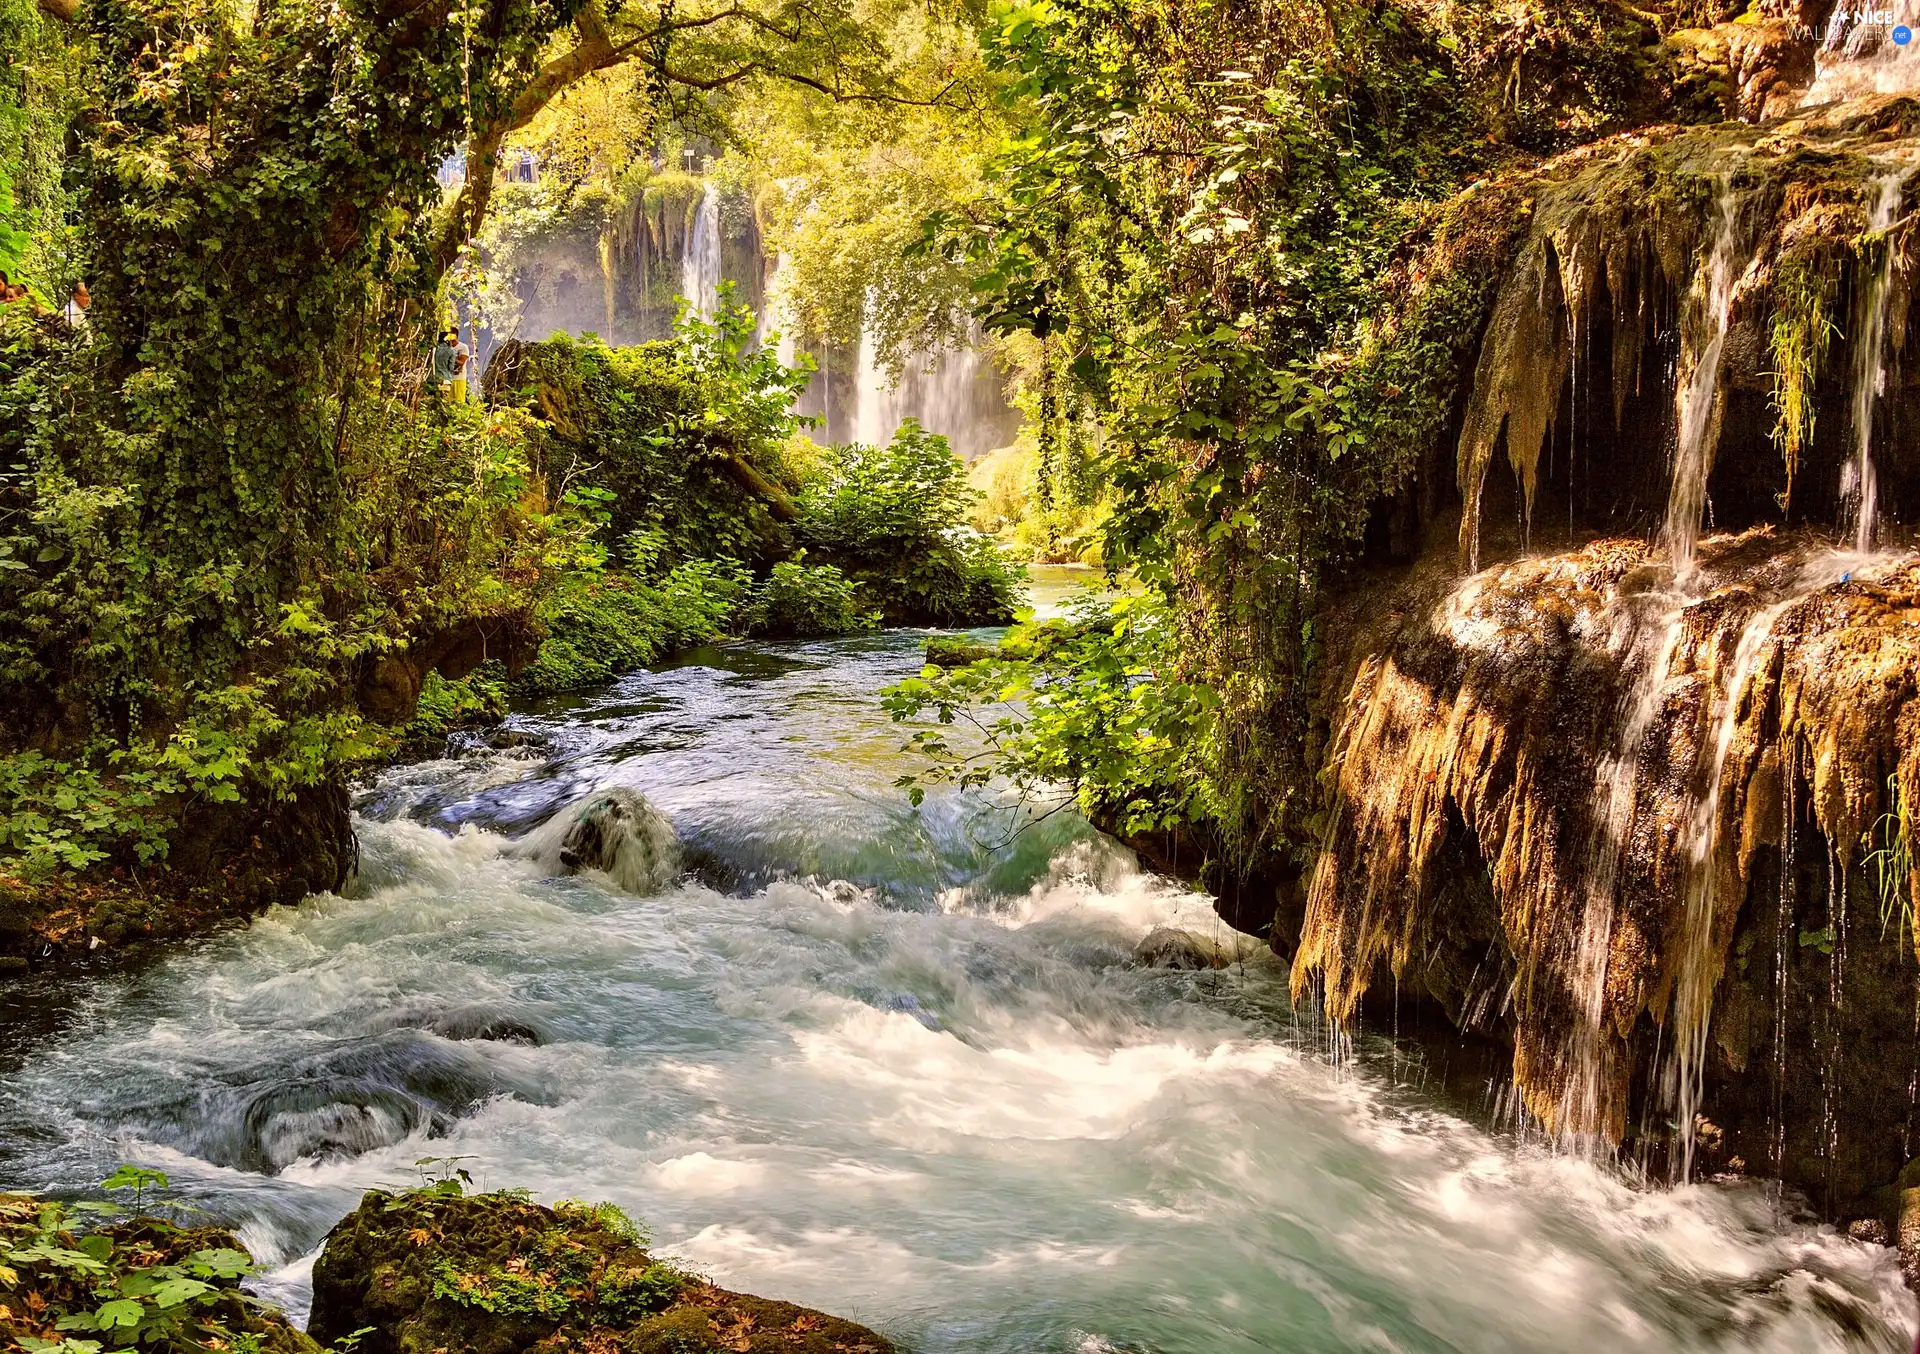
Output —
<point x="889" y="1063"/>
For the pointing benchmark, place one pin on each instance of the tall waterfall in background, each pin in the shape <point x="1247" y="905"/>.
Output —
<point x="700" y="265"/>
<point x="1868" y="377"/>
<point x="953" y="391"/>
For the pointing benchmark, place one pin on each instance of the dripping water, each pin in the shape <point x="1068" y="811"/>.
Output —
<point x="1699" y="962"/>
<point x="1868" y="377"/>
<point x="1586" y="1106"/>
<point x="1703" y="339"/>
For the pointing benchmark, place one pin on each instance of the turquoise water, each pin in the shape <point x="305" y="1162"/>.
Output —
<point x="888" y="1063"/>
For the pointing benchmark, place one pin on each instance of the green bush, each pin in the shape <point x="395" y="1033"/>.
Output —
<point x="800" y="599"/>
<point x="894" y="519"/>
<point x="600" y="627"/>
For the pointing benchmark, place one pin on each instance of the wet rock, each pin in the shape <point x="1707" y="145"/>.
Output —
<point x="957" y="653"/>
<point x="495" y="1274"/>
<point x="1870" y="1230"/>
<point x="344" y="1100"/>
<point x="615" y="831"/>
<point x="1172" y="947"/>
<point x="1907" y="1236"/>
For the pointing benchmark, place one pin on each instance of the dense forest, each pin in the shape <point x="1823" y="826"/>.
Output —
<point x="1486" y="424"/>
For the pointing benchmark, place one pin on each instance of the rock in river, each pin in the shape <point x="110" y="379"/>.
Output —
<point x="495" y="1274"/>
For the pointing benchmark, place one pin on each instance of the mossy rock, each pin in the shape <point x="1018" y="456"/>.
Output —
<point x="35" y="1296"/>
<point x="957" y="653"/>
<point x="495" y="1274"/>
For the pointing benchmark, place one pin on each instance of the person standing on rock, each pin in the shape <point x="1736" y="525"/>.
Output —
<point x="462" y="355"/>
<point x="440" y="366"/>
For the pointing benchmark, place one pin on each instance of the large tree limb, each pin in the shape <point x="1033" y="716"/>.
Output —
<point x="594" y="50"/>
<point x="64" y="10"/>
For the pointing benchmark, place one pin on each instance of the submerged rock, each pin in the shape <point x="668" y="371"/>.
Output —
<point x="1172" y="947"/>
<point x="495" y="1274"/>
<point x="615" y="831"/>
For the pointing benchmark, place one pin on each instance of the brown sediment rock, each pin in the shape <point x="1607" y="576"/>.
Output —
<point x="1605" y="273"/>
<point x="1483" y="728"/>
<point x="496" y="1274"/>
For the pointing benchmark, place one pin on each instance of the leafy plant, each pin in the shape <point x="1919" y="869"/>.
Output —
<point x="1891" y="862"/>
<point x="146" y="1283"/>
<point x="1088" y="704"/>
<point x="894" y="519"/>
<point x="797" y="600"/>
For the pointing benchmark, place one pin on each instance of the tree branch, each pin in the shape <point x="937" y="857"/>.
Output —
<point x="66" y="11"/>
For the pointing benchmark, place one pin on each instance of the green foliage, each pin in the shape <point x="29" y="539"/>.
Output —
<point x="798" y="600"/>
<point x="625" y="1295"/>
<point x="1087" y="704"/>
<point x="893" y="519"/>
<point x="1233" y="235"/>
<point x="600" y="627"/>
<point x="1890" y="861"/>
<point x="684" y="436"/>
<point x="558" y="1275"/>
<point x="447" y="704"/>
<point x="146" y="1283"/>
<point x="57" y="815"/>
<point x="1800" y="332"/>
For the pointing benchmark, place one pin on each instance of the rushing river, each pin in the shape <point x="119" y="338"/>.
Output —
<point x="890" y="1063"/>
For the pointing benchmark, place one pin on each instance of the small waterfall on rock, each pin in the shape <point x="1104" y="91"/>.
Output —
<point x="1590" y="1108"/>
<point x="615" y="831"/>
<point x="700" y="266"/>
<point x="1868" y="377"/>
<point x="1703" y="338"/>
<point x="1858" y="58"/>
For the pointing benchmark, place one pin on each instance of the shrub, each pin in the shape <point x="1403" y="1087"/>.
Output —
<point x="602" y="626"/>
<point x="894" y="519"/>
<point x="800" y="599"/>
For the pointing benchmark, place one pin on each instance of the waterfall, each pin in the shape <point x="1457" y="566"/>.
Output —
<point x="1857" y="58"/>
<point x="953" y="391"/>
<point x="1868" y="374"/>
<point x="874" y="416"/>
<point x="1700" y="959"/>
<point x="700" y="265"/>
<point x="1703" y="337"/>
<point x="1587" y="1101"/>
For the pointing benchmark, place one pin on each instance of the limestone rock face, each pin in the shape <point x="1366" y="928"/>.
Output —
<point x="495" y="1274"/>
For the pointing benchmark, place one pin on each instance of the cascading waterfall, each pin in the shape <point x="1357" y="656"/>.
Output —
<point x="953" y="391"/>
<point x="1588" y="1102"/>
<point x="700" y="266"/>
<point x="1868" y="377"/>
<point x="1703" y="338"/>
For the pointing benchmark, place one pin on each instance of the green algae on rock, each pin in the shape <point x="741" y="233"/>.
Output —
<point x="497" y="1274"/>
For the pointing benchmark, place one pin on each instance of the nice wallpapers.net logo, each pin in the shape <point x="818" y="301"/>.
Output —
<point x="1848" y="23"/>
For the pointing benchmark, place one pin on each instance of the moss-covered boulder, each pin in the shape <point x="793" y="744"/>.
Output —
<point x="146" y="1283"/>
<point x="437" y="1271"/>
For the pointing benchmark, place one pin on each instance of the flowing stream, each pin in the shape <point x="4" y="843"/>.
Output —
<point x="895" y="1064"/>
